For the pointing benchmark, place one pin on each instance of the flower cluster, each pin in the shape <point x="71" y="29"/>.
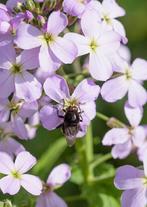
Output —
<point x="36" y="41"/>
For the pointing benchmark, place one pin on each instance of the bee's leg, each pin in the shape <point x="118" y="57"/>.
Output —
<point x="59" y="115"/>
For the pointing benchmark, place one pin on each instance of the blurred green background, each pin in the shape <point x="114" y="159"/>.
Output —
<point x="53" y="150"/>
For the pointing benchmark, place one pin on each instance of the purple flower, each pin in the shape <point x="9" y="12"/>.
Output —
<point x="74" y="7"/>
<point x="129" y="81"/>
<point x="14" y="75"/>
<point x="82" y="100"/>
<point x="15" y="174"/>
<point x="58" y="176"/>
<point x="127" y="138"/>
<point x="53" y="50"/>
<point x="134" y="183"/>
<point x="100" y="44"/>
<point x="108" y="11"/>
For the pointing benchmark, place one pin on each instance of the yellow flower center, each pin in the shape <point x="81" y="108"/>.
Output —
<point x="16" y="174"/>
<point x="144" y="180"/>
<point x="70" y="102"/>
<point x="128" y="74"/>
<point x="93" y="45"/>
<point x="107" y="19"/>
<point x="16" y="68"/>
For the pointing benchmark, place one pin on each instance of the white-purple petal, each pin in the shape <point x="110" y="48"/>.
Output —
<point x="61" y="23"/>
<point x="56" y="88"/>
<point x="9" y="185"/>
<point x="134" y="115"/>
<point x="59" y="175"/>
<point x="24" y="162"/>
<point x="49" y="117"/>
<point x="32" y="184"/>
<point x="27" y="87"/>
<point x="64" y="50"/>
<point x="86" y="91"/>
<point x="114" y="89"/>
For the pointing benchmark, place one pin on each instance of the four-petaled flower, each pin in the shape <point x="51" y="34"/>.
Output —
<point x="15" y="174"/>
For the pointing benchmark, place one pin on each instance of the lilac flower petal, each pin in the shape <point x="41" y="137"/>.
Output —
<point x="49" y="117"/>
<point x="139" y="69"/>
<point x="89" y="109"/>
<point x="42" y="200"/>
<point x="19" y="128"/>
<point x="90" y="26"/>
<point x="124" y="53"/>
<point x="4" y="111"/>
<point x="128" y="177"/>
<point x="121" y="151"/>
<point x="50" y="199"/>
<point x="111" y="93"/>
<point x="80" y="41"/>
<point x="73" y="8"/>
<point x="5" y="39"/>
<point x="134" y="115"/>
<point x="24" y="162"/>
<point x="61" y="23"/>
<point x="134" y="198"/>
<point x="28" y="109"/>
<point x="109" y="43"/>
<point x="119" y="28"/>
<point x="59" y="175"/>
<point x="27" y="36"/>
<point x="11" y="146"/>
<point x="9" y="185"/>
<point x="48" y="61"/>
<point x="29" y="59"/>
<point x="145" y="163"/>
<point x="114" y="9"/>
<point x="32" y="184"/>
<point x="86" y="91"/>
<point x="6" y="83"/>
<point x="27" y="87"/>
<point x="6" y="163"/>
<point x="7" y="57"/>
<point x="59" y="92"/>
<point x="116" y="136"/>
<point x="99" y="66"/>
<point x="137" y="95"/>
<point x="64" y="50"/>
<point x="139" y="136"/>
<point x="4" y="27"/>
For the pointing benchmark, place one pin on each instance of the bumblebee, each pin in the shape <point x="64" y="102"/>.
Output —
<point x="71" y="123"/>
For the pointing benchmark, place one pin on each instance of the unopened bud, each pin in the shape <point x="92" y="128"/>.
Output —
<point x="115" y="123"/>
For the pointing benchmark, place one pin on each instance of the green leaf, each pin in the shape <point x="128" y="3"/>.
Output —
<point x="47" y="160"/>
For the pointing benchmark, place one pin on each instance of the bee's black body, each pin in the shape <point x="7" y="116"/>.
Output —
<point x="71" y="122"/>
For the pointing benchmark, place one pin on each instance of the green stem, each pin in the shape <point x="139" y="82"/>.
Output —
<point x="89" y="145"/>
<point x="102" y="116"/>
<point x="102" y="178"/>
<point x="100" y="160"/>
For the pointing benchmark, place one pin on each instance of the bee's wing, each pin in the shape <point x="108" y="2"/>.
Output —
<point x="70" y="133"/>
